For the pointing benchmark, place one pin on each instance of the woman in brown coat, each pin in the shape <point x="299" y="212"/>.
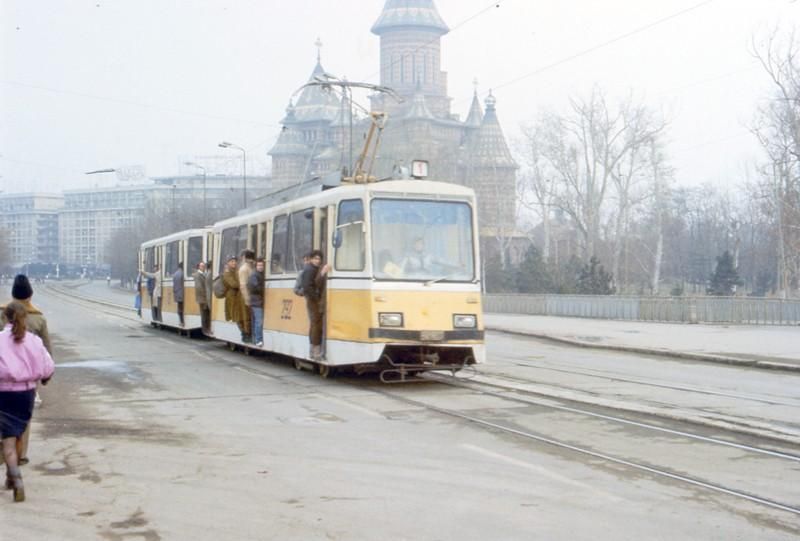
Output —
<point x="234" y="304"/>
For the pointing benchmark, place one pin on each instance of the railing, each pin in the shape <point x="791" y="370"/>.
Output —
<point x="744" y="310"/>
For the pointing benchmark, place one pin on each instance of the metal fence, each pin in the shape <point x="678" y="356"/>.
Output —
<point x="745" y="310"/>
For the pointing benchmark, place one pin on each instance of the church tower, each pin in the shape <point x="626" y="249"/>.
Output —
<point x="491" y="172"/>
<point x="410" y="33"/>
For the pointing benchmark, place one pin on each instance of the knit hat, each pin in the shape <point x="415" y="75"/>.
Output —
<point x="21" y="289"/>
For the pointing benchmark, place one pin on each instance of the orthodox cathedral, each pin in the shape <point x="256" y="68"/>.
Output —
<point x="320" y="133"/>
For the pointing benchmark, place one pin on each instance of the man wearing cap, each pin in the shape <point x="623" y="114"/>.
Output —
<point x="36" y="323"/>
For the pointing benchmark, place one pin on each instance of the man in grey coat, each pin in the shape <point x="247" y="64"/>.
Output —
<point x="177" y="291"/>
<point x="202" y="294"/>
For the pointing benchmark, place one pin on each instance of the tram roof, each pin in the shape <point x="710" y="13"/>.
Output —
<point x="185" y="234"/>
<point x="417" y="189"/>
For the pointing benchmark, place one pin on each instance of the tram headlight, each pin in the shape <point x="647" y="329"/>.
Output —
<point x="464" y="321"/>
<point x="390" y="319"/>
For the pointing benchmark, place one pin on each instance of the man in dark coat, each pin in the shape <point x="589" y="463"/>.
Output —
<point x="202" y="294"/>
<point x="314" y="276"/>
<point x="177" y="291"/>
<point x="255" y="288"/>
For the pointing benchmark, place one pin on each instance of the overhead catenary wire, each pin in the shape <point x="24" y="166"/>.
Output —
<point x="603" y="44"/>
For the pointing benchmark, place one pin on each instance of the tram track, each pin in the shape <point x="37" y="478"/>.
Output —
<point x="484" y="388"/>
<point x="507" y="393"/>
<point x="638" y="381"/>
<point x="660" y="472"/>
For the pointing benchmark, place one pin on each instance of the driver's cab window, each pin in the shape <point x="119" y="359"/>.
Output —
<point x="349" y="236"/>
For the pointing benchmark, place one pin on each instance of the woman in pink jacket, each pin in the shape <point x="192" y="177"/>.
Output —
<point x="23" y="362"/>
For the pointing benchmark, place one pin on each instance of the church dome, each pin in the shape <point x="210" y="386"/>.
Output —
<point x="406" y="13"/>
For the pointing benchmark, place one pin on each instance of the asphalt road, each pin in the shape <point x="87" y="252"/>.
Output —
<point x="145" y="435"/>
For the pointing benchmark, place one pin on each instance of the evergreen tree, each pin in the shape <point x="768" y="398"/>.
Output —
<point x="533" y="276"/>
<point x="566" y="276"/>
<point x="594" y="279"/>
<point x="725" y="278"/>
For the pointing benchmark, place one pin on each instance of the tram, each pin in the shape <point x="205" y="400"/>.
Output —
<point x="162" y="257"/>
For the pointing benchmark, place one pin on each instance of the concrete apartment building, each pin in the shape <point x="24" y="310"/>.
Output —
<point x="92" y="216"/>
<point x="75" y="228"/>
<point x="30" y="223"/>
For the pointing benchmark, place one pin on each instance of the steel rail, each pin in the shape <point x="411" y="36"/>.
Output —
<point x="697" y="390"/>
<point x="609" y="458"/>
<point x="475" y="386"/>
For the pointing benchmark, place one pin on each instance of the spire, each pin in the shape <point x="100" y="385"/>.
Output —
<point x="316" y="103"/>
<point x="318" y="44"/>
<point x="410" y="13"/>
<point x="290" y="117"/>
<point x="490" y="148"/>
<point x="475" y="115"/>
<point x="290" y="143"/>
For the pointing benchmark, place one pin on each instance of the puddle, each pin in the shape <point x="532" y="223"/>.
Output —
<point x="110" y="366"/>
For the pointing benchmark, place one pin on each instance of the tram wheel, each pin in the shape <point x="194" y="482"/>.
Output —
<point x="231" y="346"/>
<point x="298" y="365"/>
<point x="326" y="371"/>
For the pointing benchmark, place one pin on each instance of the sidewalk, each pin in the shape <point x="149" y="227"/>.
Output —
<point x="761" y="346"/>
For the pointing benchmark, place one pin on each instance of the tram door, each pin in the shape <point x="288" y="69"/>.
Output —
<point x="322" y="224"/>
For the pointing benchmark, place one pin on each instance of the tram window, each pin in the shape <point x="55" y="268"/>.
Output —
<point x="280" y="235"/>
<point x="149" y="259"/>
<point x="350" y="226"/>
<point x="173" y="257"/>
<point x="262" y="240"/>
<point x="195" y="253"/>
<point x="301" y="238"/>
<point x="241" y="243"/>
<point x="228" y="247"/>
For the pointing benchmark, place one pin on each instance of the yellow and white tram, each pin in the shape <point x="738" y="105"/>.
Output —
<point x="403" y="294"/>
<point x="162" y="257"/>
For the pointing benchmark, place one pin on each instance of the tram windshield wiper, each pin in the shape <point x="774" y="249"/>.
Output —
<point x="446" y="277"/>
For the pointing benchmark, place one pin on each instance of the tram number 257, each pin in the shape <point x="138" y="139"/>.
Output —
<point x="286" y="311"/>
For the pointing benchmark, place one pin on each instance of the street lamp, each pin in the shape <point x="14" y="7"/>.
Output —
<point x="101" y="171"/>
<point x="226" y="144"/>
<point x="203" y="169"/>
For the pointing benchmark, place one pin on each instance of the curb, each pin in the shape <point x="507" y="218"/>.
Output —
<point x="720" y="359"/>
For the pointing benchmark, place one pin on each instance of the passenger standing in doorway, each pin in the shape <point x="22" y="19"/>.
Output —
<point x="255" y="290"/>
<point x="178" y="290"/>
<point x="202" y="295"/>
<point x="36" y="323"/>
<point x="24" y="361"/>
<point x="234" y="306"/>
<point x="155" y="296"/>
<point x="246" y="269"/>
<point x="314" y="276"/>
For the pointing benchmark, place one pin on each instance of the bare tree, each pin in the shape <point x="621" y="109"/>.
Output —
<point x="590" y="149"/>
<point x="634" y="177"/>
<point x="777" y="127"/>
<point x="536" y="184"/>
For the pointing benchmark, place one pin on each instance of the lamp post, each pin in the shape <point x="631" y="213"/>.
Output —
<point x="203" y="169"/>
<point x="226" y="144"/>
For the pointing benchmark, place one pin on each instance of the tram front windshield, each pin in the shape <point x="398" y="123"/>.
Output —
<point x="422" y="240"/>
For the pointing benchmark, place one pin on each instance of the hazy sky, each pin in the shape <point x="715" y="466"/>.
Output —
<point x="96" y="84"/>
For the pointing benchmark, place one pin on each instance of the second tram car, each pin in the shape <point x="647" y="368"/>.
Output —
<point x="159" y="259"/>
